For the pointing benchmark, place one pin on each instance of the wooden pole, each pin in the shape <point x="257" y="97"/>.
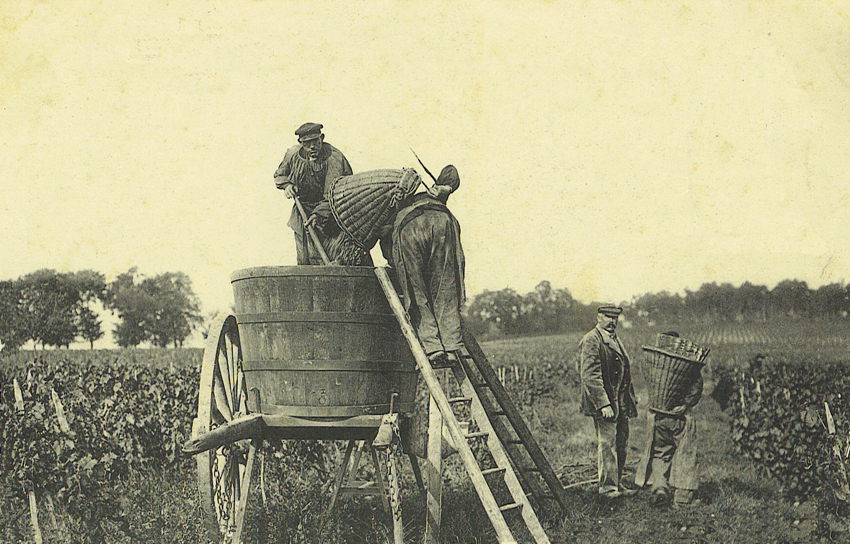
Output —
<point x="243" y="498"/>
<point x="19" y="406"/>
<point x="60" y="413"/>
<point x="434" y="474"/>
<point x="19" y="397"/>
<point x="319" y="247"/>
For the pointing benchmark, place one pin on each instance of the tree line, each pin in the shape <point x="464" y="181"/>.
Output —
<point x="550" y="311"/>
<point x="56" y="309"/>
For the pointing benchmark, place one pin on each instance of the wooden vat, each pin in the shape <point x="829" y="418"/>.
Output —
<point x="320" y="343"/>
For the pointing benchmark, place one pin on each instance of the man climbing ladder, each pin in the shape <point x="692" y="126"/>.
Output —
<point x="494" y="510"/>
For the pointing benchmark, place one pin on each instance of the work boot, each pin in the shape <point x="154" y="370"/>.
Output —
<point x="439" y="359"/>
<point x="660" y="496"/>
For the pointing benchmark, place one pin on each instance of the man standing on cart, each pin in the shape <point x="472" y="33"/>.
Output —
<point x="306" y="172"/>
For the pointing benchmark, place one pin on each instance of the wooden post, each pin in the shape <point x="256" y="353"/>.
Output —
<point x="433" y="474"/>
<point x="843" y="490"/>
<point x="60" y="413"/>
<point x="19" y="397"/>
<point x="394" y="494"/>
<point x="19" y="406"/>
<point x="246" y="489"/>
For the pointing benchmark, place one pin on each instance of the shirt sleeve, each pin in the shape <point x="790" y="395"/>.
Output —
<point x="284" y="171"/>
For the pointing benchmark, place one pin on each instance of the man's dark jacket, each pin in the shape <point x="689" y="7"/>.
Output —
<point x="605" y="376"/>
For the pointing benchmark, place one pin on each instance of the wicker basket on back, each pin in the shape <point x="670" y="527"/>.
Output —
<point x="364" y="202"/>
<point x="674" y="365"/>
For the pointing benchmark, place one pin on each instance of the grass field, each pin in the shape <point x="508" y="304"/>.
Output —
<point x="736" y="504"/>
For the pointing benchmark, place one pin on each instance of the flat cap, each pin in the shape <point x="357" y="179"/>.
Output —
<point x="610" y="310"/>
<point x="450" y="177"/>
<point x="308" y="131"/>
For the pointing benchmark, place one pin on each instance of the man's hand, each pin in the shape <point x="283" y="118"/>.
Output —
<point x="679" y="410"/>
<point x="312" y="221"/>
<point x="607" y="412"/>
<point x="289" y="191"/>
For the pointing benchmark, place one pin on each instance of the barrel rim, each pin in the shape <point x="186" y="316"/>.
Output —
<point x="272" y="271"/>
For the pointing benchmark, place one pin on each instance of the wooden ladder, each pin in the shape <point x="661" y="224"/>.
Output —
<point x="533" y="469"/>
<point x="461" y="439"/>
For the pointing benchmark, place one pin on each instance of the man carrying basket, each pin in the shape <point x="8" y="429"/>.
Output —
<point x="675" y="387"/>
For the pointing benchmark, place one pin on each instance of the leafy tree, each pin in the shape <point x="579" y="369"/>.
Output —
<point x="656" y="307"/>
<point x="162" y="310"/>
<point x="50" y="301"/>
<point x="791" y="298"/>
<point x="89" y="326"/>
<point x="14" y="330"/>
<point x="830" y="301"/>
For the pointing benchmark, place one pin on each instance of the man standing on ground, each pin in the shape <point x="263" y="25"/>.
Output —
<point x="307" y="170"/>
<point x="608" y="397"/>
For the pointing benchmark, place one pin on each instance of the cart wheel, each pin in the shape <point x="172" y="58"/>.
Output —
<point x="222" y="397"/>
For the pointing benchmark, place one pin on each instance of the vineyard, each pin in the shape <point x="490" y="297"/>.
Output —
<point x="114" y="472"/>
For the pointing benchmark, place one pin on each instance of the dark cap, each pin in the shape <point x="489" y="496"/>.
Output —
<point x="450" y="177"/>
<point x="610" y="310"/>
<point x="308" y="131"/>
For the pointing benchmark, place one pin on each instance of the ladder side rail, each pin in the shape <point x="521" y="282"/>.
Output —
<point x="503" y="533"/>
<point x="530" y="483"/>
<point x="514" y="417"/>
<point x="501" y="458"/>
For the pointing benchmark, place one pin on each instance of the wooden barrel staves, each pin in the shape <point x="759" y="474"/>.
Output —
<point x="320" y="342"/>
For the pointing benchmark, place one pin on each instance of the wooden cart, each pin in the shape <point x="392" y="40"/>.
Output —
<point x="313" y="352"/>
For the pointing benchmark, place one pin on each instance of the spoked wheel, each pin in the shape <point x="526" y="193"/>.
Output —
<point x="224" y="472"/>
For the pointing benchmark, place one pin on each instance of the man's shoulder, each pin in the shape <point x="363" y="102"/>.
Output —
<point x="592" y="333"/>
<point x="291" y="152"/>
<point x="334" y="152"/>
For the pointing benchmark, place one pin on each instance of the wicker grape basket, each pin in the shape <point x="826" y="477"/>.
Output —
<point x="674" y="364"/>
<point x="364" y="202"/>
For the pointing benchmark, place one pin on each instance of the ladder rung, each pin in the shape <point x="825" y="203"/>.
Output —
<point x="497" y="413"/>
<point x="532" y="469"/>
<point x="492" y="471"/>
<point x="479" y="434"/>
<point x="460" y="399"/>
<point x="511" y="506"/>
<point x="513" y="441"/>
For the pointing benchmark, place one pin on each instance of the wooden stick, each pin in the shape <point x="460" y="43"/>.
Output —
<point x="60" y="413"/>
<point x="263" y="478"/>
<point x="34" y="518"/>
<point x="434" y="474"/>
<point x="319" y="247"/>
<point x="19" y="406"/>
<point x="19" y="397"/>
<point x="593" y="481"/>
<point x="59" y="525"/>
<point x="239" y="429"/>
<point x="246" y="488"/>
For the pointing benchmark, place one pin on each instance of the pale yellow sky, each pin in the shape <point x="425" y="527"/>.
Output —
<point x="613" y="148"/>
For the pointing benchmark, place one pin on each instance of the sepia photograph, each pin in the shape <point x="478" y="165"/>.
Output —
<point x="389" y="272"/>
